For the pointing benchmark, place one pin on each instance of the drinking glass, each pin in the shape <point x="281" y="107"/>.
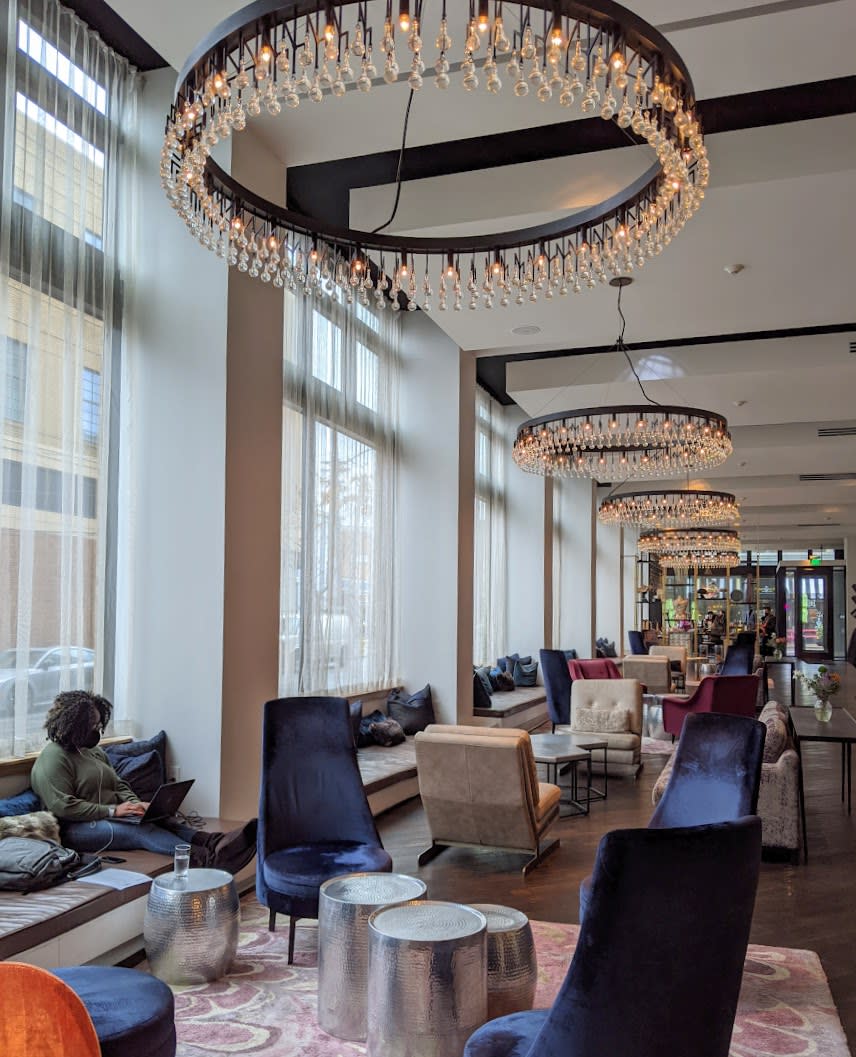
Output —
<point x="182" y="861"/>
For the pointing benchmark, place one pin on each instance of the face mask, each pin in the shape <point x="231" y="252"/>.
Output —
<point x="92" y="738"/>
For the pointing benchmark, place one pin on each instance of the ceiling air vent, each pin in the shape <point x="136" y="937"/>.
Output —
<point x="827" y="477"/>
<point x="819" y="524"/>
<point x="837" y="431"/>
<point x="853" y="347"/>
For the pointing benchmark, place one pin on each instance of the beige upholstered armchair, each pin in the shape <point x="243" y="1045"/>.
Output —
<point x="674" y="653"/>
<point x="611" y="708"/>
<point x="479" y="786"/>
<point x="653" y="672"/>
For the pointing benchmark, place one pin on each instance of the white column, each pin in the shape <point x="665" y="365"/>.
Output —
<point x="609" y="580"/>
<point x="575" y="565"/>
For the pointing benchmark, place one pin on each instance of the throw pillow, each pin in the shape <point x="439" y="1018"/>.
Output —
<point x="37" y="825"/>
<point x="484" y="675"/>
<point x="387" y="732"/>
<point x="505" y="681"/>
<point x="502" y="662"/>
<point x="601" y="720"/>
<point x="481" y="698"/>
<point x="20" y="804"/>
<point x="414" y="712"/>
<point x="570" y="655"/>
<point x="356" y="711"/>
<point x="365" y="736"/>
<point x="609" y="649"/>
<point x="525" y="674"/>
<point x="777" y="738"/>
<point x="494" y="675"/>
<point x="144" y="774"/>
<point x="142" y="747"/>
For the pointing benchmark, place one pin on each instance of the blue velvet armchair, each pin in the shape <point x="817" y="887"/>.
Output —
<point x="635" y="989"/>
<point x="557" y="686"/>
<point x="738" y="660"/>
<point x="314" y="818"/>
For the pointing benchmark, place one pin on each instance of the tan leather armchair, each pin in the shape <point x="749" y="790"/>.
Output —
<point x="612" y="709"/>
<point x="479" y="787"/>
<point x="674" y="653"/>
<point x="654" y="673"/>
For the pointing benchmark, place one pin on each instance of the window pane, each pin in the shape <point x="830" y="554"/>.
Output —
<point x="46" y="55"/>
<point x="16" y="380"/>
<point x="367" y="377"/>
<point x="326" y="351"/>
<point x="90" y="404"/>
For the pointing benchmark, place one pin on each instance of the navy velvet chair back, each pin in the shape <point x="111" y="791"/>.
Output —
<point x="557" y="685"/>
<point x="637" y="989"/>
<point x="637" y="642"/>
<point x="716" y="772"/>
<point x="738" y="660"/>
<point x="314" y="816"/>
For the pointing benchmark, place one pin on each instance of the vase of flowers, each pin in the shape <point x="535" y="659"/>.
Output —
<point x="779" y="647"/>
<point x="823" y="685"/>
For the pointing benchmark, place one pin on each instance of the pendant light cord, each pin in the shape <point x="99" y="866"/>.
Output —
<point x="621" y="347"/>
<point x="400" y="166"/>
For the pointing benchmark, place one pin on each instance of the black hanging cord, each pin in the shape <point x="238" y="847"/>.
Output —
<point x="621" y="347"/>
<point x="400" y="166"/>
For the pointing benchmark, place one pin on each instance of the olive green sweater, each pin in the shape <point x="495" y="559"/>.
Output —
<point x="78" y="785"/>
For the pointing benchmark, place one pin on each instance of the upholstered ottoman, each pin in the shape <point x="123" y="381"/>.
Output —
<point x="133" y="1013"/>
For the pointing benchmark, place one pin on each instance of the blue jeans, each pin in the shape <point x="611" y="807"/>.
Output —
<point x="112" y="834"/>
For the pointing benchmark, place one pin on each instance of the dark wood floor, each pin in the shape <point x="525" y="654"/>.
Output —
<point x="809" y="906"/>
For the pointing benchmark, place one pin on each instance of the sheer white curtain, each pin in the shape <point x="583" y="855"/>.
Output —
<point x="490" y="597"/>
<point x="339" y="509"/>
<point x="66" y="99"/>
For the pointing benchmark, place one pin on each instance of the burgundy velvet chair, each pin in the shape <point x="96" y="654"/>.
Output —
<point x="732" y="695"/>
<point x="600" y="668"/>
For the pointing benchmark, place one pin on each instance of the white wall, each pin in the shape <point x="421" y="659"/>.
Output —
<point x="609" y="602"/>
<point x="524" y="549"/>
<point x="629" y="550"/>
<point x="428" y="516"/>
<point x="171" y="529"/>
<point x="575" y="583"/>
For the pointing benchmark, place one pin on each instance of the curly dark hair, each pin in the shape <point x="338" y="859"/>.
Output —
<point x="68" y="722"/>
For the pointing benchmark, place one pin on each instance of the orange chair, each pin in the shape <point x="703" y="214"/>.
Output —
<point x="40" y="1016"/>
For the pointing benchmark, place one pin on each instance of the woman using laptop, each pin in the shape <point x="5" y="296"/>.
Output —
<point x="77" y="783"/>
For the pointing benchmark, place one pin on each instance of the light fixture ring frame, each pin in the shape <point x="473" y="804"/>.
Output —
<point x="640" y="219"/>
<point x="704" y="547"/>
<point x="560" y="456"/>
<point x="721" y="507"/>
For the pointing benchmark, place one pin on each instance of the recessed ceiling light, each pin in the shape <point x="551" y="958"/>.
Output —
<point x="526" y="330"/>
<point x="734" y="269"/>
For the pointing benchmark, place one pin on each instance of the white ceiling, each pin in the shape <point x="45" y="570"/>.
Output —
<point x="779" y="203"/>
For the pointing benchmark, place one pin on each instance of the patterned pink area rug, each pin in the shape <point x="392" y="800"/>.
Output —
<point x="657" y="747"/>
<point x="267" y="1008"/>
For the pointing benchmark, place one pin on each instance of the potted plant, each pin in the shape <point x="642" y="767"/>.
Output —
<point x="823" y="685"/>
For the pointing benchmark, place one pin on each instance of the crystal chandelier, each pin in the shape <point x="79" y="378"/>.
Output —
<point x="620" y="443"/>
<point x="601" y="58"/>
<point x="714" y="548"/>
<point x="670" y="508"/>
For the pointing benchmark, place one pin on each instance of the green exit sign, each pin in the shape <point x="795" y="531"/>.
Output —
<point x="815" y="561"/>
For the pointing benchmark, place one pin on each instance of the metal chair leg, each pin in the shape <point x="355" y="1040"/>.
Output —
<point x="431" y="853"/>
<point x="540" y="855"/>
<point x="292" y="928"/>
<point x="272" y="921"/>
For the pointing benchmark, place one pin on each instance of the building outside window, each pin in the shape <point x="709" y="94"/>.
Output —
<point x="489" y="568"/>
<point x="339" y="577"/>
<point x="68" y="99"/>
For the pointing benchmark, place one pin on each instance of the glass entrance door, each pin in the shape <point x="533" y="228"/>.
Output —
<point x="813" y="614"/>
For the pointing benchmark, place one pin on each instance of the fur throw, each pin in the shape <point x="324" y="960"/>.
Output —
<point x="38" y="825"/>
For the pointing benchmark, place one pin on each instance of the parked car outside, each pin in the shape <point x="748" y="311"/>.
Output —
<point x="49" y="669"/>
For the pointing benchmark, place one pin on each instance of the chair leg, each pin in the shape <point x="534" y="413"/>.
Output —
<point x="272" y="921"/>
<point x="292" y="928"/>
<point x="431" y="853"/>
<point x="540" y="855"/>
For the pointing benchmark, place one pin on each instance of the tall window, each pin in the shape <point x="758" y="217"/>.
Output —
<point x="337" y="630"/>
<point x="68" y="99"/>
<point x="489" y="574"/>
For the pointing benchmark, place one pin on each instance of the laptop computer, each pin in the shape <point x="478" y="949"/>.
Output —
<point x="166" y="801"/>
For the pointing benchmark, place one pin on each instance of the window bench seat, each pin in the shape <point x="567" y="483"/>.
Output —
<point x="525" y="708"/>
<point x="389" y="774"/>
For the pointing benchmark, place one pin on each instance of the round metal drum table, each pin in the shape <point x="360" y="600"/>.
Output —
<point x="191" y="926"/>
<point x="427" y="979"/>
<point x="512" y="967"/>
<point x="344" y="906"/>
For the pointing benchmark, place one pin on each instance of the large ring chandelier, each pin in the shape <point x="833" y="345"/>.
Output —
<point x="684" y="548"/>
<point x="670" y="508"/>
<point x="274" y="53"/>
<point x="620" y="443"/>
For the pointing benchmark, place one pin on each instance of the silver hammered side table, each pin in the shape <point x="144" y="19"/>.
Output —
<point x="344" y="906"/>
<point x="191" y="926"/>
<point x="512" y="966"/>
<point x="427" y="989"/>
